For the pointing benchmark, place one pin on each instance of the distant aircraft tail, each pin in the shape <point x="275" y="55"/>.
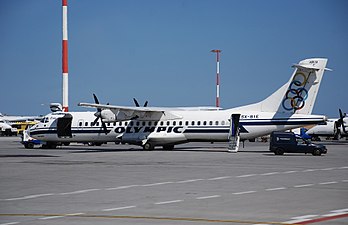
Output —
<point x="298" y="95"/>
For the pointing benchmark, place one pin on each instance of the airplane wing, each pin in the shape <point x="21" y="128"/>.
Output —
<point x="128" y="112"/>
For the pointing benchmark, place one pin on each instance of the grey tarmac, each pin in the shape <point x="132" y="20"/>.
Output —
<point x="196" y="183"/>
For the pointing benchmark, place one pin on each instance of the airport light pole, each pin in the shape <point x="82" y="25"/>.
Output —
<point x="217" y="51"/>
<point x="65" y="56"/>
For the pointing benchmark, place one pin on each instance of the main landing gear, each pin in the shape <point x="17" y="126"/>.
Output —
<point x="150" y="146"/>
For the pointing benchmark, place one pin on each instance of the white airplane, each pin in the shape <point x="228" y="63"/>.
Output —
<point x="287" y="108"/>
<point x="13" y="119"/>
<point x="335" y="128"/>
<point x="6" y="129"/>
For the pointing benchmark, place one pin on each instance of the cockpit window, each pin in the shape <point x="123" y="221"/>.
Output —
<point x="44" y="120"/>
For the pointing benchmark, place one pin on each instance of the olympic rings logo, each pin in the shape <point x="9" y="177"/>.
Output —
<point x="296" y="95"/>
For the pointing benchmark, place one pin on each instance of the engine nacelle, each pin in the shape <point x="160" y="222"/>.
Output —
<point x="108" y="116"/>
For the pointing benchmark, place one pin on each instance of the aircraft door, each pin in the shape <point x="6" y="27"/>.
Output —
<point x="64" y="126"/>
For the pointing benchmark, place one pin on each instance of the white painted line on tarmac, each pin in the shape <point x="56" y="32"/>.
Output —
<point x="246" y="175"/>
<point x="208" y="197"/>
<point x="327" y="169"/>
<point x="74" y="214"/>
<point x="121" y="187"/>
<point x="334" y="214"/>
<point x="300" y="218"/>
<point x="168" y="202"/>
<point x="10" y="223"/>
<point x="155" y="184"/>
<point x="303" y="185"/>
<point x="78" y="192"/>
<point x="119" y="208"/>
<point x="330" y="182"/>
<point x="340" y="210"/>
<point x="219" y="178"/>
<point x="291" y="171"/>
<point x="188" y="181"/>
<point x="50" y="217"/>
<point x="28" y="197"/>
<point x="276" y="189"/>
<point x="244" y="192"/>
<point x="268" y="174"/>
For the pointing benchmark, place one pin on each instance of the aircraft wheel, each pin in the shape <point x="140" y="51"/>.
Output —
<point x="168" y="147"/>
<point x="148" y="146"/>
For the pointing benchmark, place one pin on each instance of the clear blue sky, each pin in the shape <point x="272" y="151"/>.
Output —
<point x="159" y="50"/>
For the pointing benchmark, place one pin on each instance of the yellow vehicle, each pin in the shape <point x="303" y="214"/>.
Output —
<point x="23" y="125"/>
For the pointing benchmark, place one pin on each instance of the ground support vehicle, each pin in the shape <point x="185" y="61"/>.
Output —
<point x="287" y="142"/>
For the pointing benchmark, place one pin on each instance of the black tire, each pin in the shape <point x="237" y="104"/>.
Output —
<point x="148" y="146"/>
<point x="29" y="145"/>
<point x="279" y="151"/>
<point x="317" y="152"/>
<point x="50" y="145"/>
<point x="168" y="147"/>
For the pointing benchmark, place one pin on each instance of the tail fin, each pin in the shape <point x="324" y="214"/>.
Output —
<point x="299" y="93"/>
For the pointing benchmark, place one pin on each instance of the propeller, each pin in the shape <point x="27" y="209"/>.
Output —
<point x="340" y="121"/>
<point x="137" y="103"/>
<point x="98" y="115"/>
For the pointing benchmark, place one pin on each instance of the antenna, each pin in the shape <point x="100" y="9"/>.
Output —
<point x="217" y="51"/>
<point x="65" y="56"/>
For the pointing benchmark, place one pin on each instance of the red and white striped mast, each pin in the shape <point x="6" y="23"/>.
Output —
<point x="217" y="51"/>
<point x="65" y="57"/>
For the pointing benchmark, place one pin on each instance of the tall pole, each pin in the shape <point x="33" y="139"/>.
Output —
<point x="65" y="56"/>
<point x="217" y="51"/>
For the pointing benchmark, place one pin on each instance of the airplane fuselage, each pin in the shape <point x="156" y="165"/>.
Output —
<point x="209" y="126"/>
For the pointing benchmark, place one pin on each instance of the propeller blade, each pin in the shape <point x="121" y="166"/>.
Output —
<point x="136" y="102"/>
<point x="98" y="115"/>
<point x="95" y="121"/>
<point x="342" y="122"/>
<point x="95" y="99"/>
<point x="145" y="105"/>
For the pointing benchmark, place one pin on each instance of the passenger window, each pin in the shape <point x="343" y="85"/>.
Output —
<point x="155" y="123"/>
<point x="97" y="124"/>
<point x="144" y="123"/>
<point x="223" y="122"/>
<point x="180" y="123"/>
<point x="80" y="124"/>
<point x="210" y="123"/>
<point x="131" y="123"/>
<point x="174" y="123"/>
<point x="86" y="124"/>
<point x="193" y="123"/>
<point x="186" y="123"/>
<point x="162" y="123"/>
<point x="138" y="123"/>
<point x="205" y="123"/>
<point x="120" y="124"/>
<point x="199" y="123"/>
<point x="126" y="123"/>
<point x="216" y="123"/>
